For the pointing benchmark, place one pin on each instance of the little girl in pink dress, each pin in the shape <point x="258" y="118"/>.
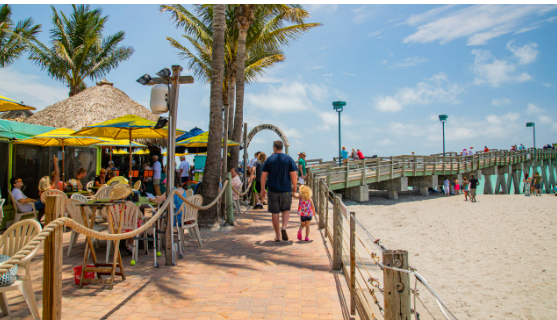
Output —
<point x="306" y="210"/>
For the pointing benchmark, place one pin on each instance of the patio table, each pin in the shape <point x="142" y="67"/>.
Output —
<point x="101" y="268"/>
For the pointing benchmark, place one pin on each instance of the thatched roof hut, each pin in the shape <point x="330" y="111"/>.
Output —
<point x="93" y="105"/>
<point x="16" y="115"/>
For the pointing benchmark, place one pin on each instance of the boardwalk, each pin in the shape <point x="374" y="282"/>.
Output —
<point x="239" y="273"/>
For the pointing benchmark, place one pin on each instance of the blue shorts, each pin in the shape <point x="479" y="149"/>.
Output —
<point x="39" y="205"/>
<point x="305" y="218"/>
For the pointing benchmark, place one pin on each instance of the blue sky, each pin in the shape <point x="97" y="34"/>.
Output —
<point x="490" y="68"/>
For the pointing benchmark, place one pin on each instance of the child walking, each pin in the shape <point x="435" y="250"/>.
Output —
<point x="306" y="210"/>
<point x="466" y="184"/>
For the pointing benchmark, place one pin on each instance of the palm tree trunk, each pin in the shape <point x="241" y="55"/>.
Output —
<point x="211" y="176"/>
<point x="240" y="76"/>
<point x="231" y="93"/>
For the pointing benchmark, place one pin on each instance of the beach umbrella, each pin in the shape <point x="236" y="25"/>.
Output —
<point x="126" y="127"/>
<point x="176" y="154"/>
<point x="7" y="104"/>
<point x="198" y="143"/>
<point x="192" y="133"/>
<point x="60" y="137"/>
<point x="121" y="151"/>
<point x="142" y="152"/>
<point x="110" y="143"/>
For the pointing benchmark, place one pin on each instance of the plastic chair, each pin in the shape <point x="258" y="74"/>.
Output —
<point x="89" y="185"/>
<point x="61" y="205"/>
<point x="2" y="208"/>
<point x="74" y="211"/>
<point x="131" y="215"/>
<point x="189" y="219"/>
<point x="103" y="193"/>
<point x="79" y="197"/>
<point x="137" y="185"/>
<point x="18" y="212"/>
<point x="16" y="237"/>
<point x="189" y="193"/>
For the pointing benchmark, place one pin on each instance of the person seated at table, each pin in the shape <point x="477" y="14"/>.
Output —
<point x="112" y="178"/>
<point x="177" y="200"/>
<point x="81" y="173"/>
<point x="22" y="202"/>
<point x="101" y="179"/>
<point x="53" y="182"/>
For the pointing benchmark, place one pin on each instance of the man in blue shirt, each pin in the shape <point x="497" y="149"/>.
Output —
<point x="279" y="175"/>
<point x="344" y="156"/>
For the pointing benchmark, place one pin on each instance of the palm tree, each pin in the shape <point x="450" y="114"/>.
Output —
<point x="267" y="33"/>
<point x="14" y="41"/>
<point x="78" y="49"/>
<point x="211" y="177"/>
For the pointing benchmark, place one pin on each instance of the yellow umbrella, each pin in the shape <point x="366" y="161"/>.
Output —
<point x="7" y="104"/>
<point x="201" y="140"/>
<point x="126" y="127"/>
<point x="59" y="137"/>
<point x="120" y="151"/>
<point x="177" y="154"/>
<point x="110" y="143"/>
<point x="141" y="152"/>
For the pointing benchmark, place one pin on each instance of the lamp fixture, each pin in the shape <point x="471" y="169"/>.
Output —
<point x="145" y="79"/>
<point x="161" y="123"/>
<point x="164" y="73"/>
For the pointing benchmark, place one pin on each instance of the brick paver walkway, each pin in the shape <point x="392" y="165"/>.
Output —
<point x="239" y="273"/>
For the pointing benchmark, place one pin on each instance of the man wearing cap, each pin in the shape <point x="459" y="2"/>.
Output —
<point x="157" y="168"/>
<point x="471" y="152"/>
<point x="302" y="175"/>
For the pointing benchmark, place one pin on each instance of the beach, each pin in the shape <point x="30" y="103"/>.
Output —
<point x="496" y="258"/>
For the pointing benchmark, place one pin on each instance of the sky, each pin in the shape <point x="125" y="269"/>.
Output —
<point x="490" y="68"/>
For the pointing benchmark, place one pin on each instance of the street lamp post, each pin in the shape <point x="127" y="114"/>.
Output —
<point x="533" y="125"/>
<point x="339" y="106"/>
<point x="443" y="118"/>
<point x="172" y="79"/>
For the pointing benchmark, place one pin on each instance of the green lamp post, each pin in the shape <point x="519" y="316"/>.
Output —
<point x="533" y="125"/>
<point x="339" y="106"/>
<point x="443" y="118"/>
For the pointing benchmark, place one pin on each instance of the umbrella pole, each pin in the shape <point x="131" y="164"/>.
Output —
<point x="109" y="161"/>
<point x="63" y="159"/>
<point x="130" y="170"/>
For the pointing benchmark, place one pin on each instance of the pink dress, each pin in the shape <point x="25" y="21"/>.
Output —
<point x="304" y="208"/>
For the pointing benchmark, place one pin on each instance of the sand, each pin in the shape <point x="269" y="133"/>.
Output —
<point x="496" y="258"/>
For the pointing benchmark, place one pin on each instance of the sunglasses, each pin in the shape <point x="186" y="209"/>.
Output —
<point x="103" y="172"/>
<point x="19" y="180"/>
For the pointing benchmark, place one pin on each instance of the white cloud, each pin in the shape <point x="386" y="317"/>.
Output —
<point x="33" y="90"/>
<point x="348" y="74"/>
<point x="410" y="62"/>
<point x="289" y="97"/>
<point x="547" y="85"/>
<point x="533" y="109"/>
<point x="329" y="120"/>
<point x="436" y="89"/>
<point x="489" y="69"/>
<point x="545" y="119"/>
<point x="385" y="142"/>
<point x="526" y="29"/>
<point x="500" y="101"/>
<point x="374" y="34"/>
<point x="318" y="67"/>
<point x="361" y="15"/>
<point x="526" y="54"/>
<point x="327" y="75"/>
<point x="385" y="61"/>
<point x="478" y="23"/>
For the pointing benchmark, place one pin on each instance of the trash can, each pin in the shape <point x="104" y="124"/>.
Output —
<point x="88" y="275"/>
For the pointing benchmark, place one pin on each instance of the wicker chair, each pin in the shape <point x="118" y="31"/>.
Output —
<point x="16" y="237"/>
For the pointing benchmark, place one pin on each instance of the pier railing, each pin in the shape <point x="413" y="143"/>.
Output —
<point x="367" y="264"/>
<point x="366" y="171"/>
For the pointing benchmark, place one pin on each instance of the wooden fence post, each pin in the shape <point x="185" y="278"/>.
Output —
<point x="52" y="265"/>
<point x="337" y="234"/>
<point x="352" y="263"/>
<point x="397" y="285"/>
<point x="322" y="202"/>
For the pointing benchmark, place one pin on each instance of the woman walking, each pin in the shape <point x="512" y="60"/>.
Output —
<point x="527" y="180"/>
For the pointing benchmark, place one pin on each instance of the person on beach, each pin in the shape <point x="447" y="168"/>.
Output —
<point x="306" y="210"/>
<point x="344" y="154"/>
<point x="474" y="183"/>
<point x="456" y="186"/>
<point x="446" y="186"/>
<point x="538" y="184"/>
<point x="302" y="174"/>
<point x="527" y="180"/>
<point x="257" y="183"/>
<point x="471" y="151"/>
<point x="354" y="154"/>
<point x="279" y="174"/>
<point x="466" y="187"/>
<point x="360" y="154"/>
<point x="486" y="149"/>
<point x="464" y="152"/>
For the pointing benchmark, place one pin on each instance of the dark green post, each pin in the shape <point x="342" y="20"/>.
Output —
<point x="338" y="106"/>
